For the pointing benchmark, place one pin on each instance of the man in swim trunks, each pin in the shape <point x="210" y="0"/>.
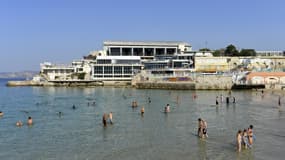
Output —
<point x="204" y="129"/>
<point x="200" y="127"/>
<point x="250" y="134"/>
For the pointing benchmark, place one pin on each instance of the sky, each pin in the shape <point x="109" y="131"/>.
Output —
<point x="60" y="31"/>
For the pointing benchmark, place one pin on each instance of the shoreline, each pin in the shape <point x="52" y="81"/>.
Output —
<point x="190" y="85"/>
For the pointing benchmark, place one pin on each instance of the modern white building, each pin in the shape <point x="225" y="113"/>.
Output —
<point x="145" y="49"/>
<point x="115" y="68"/>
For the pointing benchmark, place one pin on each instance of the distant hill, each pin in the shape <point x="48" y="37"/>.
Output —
<point x="22" y="75"/>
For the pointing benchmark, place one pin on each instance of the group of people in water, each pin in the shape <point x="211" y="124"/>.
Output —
<point x="220" y="99"/>
<point x="20" y="123"/>
<point x="245" y="138"/>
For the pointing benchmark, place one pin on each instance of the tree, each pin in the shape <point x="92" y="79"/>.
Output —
<point x="231" y="51"/>
<point x="219" y="52"/>
<point x="247" y="52"/>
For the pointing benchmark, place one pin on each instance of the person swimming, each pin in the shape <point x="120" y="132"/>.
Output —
<point x="19" y="124"/>
<point x="30" y="121"/>
<point x="167" y="108"/>
<point x="142" y="111"/>
<point x="73" y="107"/>
<point x="1" y="113"/>
<point x="239" y="140"/>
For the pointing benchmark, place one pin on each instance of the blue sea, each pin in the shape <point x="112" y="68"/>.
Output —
<point x="78" y="134"/>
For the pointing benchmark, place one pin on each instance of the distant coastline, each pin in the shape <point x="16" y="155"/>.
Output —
<point x="18" y="75"/>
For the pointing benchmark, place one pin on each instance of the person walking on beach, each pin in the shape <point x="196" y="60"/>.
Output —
<point x="239" y="140"/>
<point x="111" y="117"/>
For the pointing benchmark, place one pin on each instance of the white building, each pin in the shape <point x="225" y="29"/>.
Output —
<point x="115" y="68"/>
<point x="145" y="49"/>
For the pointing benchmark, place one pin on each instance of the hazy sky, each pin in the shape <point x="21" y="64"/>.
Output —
<point x="59" y="31"/>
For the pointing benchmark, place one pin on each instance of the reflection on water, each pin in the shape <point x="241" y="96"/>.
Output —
<point x="79" y="133"/>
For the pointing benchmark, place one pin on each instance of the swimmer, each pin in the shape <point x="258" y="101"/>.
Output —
<point x="149" y="101"/>
<point x="134" y="104"/>
<point x="204" y="129"/>
<point x="19" y="124"/>
<point x="244" y="138"/>
<point x="111" y="117"/>
<point x="59" y="114"/>
<point x="200" y="126"/>
<point x="167" y="108"/>
<point x="250" y="134"/>
<point x="73" y="107"/>
<point x="142" y="110"/>
<point x="1" y="113"/>
<point x="239" y="140"/>
<point x="104" y="119"/>
<point x="30" y="121"/>
<point x="217" y="101"/>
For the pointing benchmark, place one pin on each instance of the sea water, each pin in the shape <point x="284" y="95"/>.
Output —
<point x="79" y="134"/>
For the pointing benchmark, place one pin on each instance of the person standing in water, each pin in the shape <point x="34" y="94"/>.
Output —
<point x="104" y="119"/>
<point x="217" y="100"/>
<point x="239" y="140"/>
<point x="279" y="100"/>
<point x="142" y="111"/>
<point x="30" y="121"/>
<point x="111" y="117"/>
<point x="167" y="108"/>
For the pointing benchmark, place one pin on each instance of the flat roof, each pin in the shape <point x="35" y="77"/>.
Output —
<point x="146" y="43"/>
<point x="119" y="57"/>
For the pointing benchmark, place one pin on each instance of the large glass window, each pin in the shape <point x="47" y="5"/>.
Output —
<point x="108" y="70"/>
<point x="138" y="52"/>
<point x="127" y="70"/>
<point x="149" y="51"/>
<point x="98" y="69"/>
<point x="170" y="51"/>
<point x="126" y="51"/>
<point x="115" y="51"/>
<point x="159" y="51"/>
<point x="118" y="70"/>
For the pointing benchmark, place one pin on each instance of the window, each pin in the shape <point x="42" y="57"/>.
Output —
<point x="115" y="51"/>
<point x="138" y="52"/>
<point x="108" y="70"/>
<point x="98" y="69"/>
